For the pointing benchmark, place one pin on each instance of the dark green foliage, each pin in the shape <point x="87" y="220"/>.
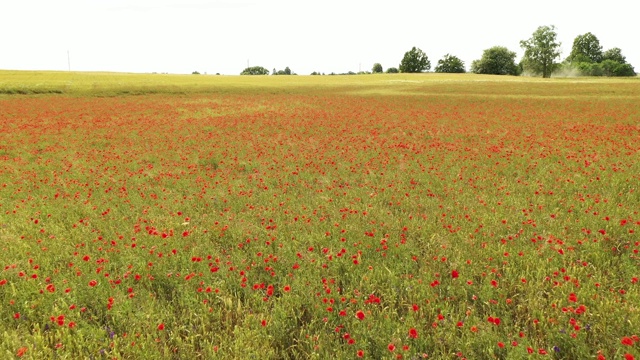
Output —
<point x="614" y="54"/>
<point x="497" y="60"/>
<point x="377" y="68"/>
<point x="614" y="68"/>
<point x="255" y="70"/>
<point x="450" y="64"/>
<point x="586" y="48"/>
<point x="286" y="71"/>
<point x="541" y="51"/>
<point x="414" y="61"/>
<point x="612" y="63"/>
<point x="392" y="70"/>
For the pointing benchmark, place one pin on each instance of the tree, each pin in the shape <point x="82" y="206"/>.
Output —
<point x="614" y="54"/>
<point x="377" y="68"/>
<point x="255" y="70"/>
<point x="540" y="51"/>
<point x="450" y="64"/>
<point x="392" y="70"/>
<point x="414" y="61"/>
<point x="586" y="48"/>
<point x="286" y="71"/>
<point x="497" y="60"/>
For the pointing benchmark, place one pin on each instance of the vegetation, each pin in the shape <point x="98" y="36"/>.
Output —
<point x="450" y="64"/>
<point x="497" y="60"/>
<point x="541" y="51"/>
<point x="255" y="70"/>
<point x="324" y="217"/>
<point x="586" y="49"/>
<point x="588" y="59"/>
<point x="414" y="61"/>
<point x="377" y="68"/>
<point x="286" y="71"/>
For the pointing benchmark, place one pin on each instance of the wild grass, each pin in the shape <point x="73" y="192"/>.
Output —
<point x="387" y="216"/>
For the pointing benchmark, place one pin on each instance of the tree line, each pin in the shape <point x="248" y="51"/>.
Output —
<point x="541" y="58"/>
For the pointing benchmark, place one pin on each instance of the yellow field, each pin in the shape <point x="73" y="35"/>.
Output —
<point x="105" y="84"/>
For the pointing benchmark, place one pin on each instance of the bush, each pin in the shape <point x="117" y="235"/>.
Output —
<point x="497" y="60"/>
<point x="255" y="70"/>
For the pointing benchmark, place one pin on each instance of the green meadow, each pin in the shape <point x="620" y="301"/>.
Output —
<point x="390" y="216"/>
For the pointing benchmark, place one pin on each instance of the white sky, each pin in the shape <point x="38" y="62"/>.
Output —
<point x="306" y="35"/>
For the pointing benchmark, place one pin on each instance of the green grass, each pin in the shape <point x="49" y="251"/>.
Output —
<point x="170" y="217"/>
<point x="112" y="84"/>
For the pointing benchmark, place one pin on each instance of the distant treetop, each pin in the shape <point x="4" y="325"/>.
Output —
<point x="255" y="70"/>
<point x="414" y="61"/>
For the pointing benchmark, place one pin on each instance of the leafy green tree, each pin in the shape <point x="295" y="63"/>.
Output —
<point x="541" y="51"/>
<point x="497" y="60"/>
<point x="286" y="71"/>
<point x="614" y="54"/>
<point x="615" y="68"/>
<point x="392" y="70"/>
<point x="377" y="68"/>
<point x="586" y="48"/>
<point x="255" y="70"/>
<point x="414" y="61"/>
<point x="450" y="64"/>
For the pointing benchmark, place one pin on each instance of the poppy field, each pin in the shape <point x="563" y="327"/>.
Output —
<point x="375" y="217"/>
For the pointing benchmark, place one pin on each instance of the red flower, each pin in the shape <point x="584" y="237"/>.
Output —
<point x="360" y="353"/>
<point x="573" y="297"/>
<point x="413" y="333"/>
<point x="391" y="347"/>
<point x="500" y="344"/>
<point x="627" y="341"/>
<point x="21" y="351"/>
<point x="455" y="274"/>
<point x="360" y="315"/>
<point x="93" y="283"/>
<point x="629" y="357"/>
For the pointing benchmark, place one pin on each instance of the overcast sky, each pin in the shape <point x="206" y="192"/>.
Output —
<point x="222" y="36"/>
